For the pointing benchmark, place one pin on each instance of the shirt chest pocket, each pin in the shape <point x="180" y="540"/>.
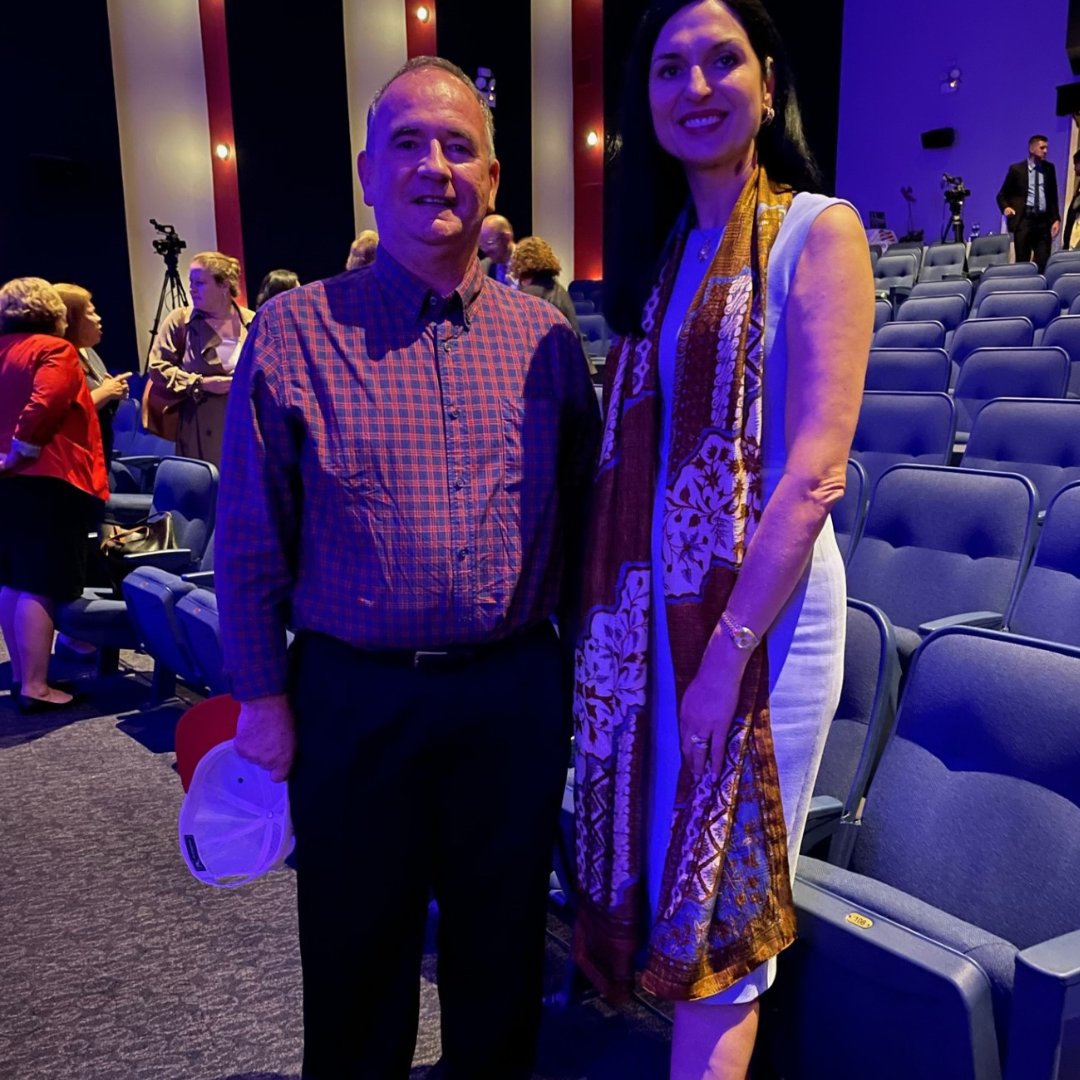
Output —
<point x="530" y="430"/>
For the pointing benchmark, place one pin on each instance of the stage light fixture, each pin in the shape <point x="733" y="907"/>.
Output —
<point x="223" y="151"/>
<point x="592" y="139"/>
<point x="423" y="13"/>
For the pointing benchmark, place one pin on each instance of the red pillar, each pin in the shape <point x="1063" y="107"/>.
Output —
<point x="230" y="236"/>
<point x="420" y="35"/>
<point x="588" y="67"/>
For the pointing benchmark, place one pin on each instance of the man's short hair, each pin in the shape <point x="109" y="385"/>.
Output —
<point x="1076" y="157"/>
<point x="418" y="62"/>
<point x="1036" y="138"/>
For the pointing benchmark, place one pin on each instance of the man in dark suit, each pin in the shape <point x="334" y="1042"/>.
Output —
<point x="1029" y="201"/>
<point x="1072" y="216"/>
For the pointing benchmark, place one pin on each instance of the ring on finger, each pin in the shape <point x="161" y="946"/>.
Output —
<point x="698" y="741"/>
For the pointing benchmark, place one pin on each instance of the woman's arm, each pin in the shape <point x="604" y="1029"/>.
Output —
<point x="829" y="326"/>
<point x="58" y="377"/>
<point x="167" y="356"/>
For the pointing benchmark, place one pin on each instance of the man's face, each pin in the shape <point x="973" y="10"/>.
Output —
<point x="1038" y="149"/>
<point x="496" y="241"/>
<point x="427" y="170"/>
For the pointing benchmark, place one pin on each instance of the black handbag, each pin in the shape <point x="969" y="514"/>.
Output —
<point x="154" y="533"/>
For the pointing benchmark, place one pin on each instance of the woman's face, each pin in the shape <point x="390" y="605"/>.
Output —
<point x="707" y="90"/>
<point x="85" y="332"/>
<point x="206" y="294"/>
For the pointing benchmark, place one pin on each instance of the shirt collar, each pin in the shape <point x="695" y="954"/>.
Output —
<point x="419" y="299"/>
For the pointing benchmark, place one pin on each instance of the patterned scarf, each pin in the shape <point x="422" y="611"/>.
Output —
<point x="725" y="903"/>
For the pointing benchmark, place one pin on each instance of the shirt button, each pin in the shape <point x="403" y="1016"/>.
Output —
<point x="453" y="414"/>
<point x="463" y="553"/>
<point x="459" y="483"/>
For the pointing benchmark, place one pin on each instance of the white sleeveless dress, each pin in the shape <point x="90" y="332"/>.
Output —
<point x="806" y="643"/>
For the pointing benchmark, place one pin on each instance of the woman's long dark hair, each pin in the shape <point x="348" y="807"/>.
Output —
<point x="650" y="185"/>
<point x="275" y="282"/>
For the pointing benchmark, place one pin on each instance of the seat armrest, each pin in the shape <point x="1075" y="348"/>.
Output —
<point x="204" y="579"/>
<point x="989" y="620"/>
<point x="1044" y="1033"/>
<point x="174" y="560"/>
<point x="822" y="820"/>
<point x="138" y="461"/>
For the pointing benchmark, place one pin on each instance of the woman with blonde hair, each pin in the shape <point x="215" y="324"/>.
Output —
<point x="193" y="357"/>
<point x="52" y="481"/>
<point x="535" y="267"/>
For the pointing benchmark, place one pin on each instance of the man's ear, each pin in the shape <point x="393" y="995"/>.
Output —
<point x="367" y="180"/>
<point x="494" y="174"/>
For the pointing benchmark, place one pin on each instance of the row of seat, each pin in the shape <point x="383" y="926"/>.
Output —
<point x="937" y="261"/>
<point x="940" y="543"/>
<point x="940" y="936"/>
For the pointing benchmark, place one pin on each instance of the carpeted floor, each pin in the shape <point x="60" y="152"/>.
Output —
<point x="115" y="964"/>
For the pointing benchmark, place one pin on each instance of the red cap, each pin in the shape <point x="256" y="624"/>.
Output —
<point x="200" y="729"/>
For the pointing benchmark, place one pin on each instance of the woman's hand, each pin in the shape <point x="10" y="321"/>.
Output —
<point x="114" y="387"/>
<point x="709" y="704"/>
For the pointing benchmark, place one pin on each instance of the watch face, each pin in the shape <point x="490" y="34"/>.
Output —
<point x="744" y="638"/>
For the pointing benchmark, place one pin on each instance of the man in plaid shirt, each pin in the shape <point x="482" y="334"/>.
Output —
<point x="407" y="457"/>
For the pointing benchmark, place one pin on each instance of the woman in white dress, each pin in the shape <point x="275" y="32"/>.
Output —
<point x="710" y="657"/>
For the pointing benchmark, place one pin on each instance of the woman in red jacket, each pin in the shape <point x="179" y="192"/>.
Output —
<point x="52" y="481"/>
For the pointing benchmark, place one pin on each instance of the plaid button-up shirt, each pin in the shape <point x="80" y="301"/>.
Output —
<point x="400" y="471"/>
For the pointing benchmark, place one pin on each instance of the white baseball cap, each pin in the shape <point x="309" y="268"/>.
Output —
<point x="234" y="821"/>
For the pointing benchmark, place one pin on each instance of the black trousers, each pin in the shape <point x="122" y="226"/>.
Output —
<point x="1032" y="236"/>
<point x="407" y="781"/>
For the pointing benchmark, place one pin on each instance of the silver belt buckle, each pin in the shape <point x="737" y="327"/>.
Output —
<point x="418" y="656"/>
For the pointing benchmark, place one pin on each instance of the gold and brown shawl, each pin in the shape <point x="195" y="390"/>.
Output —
<point x="725" y="903"/>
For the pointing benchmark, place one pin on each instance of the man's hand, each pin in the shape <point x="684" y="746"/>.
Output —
<point x="266" y="734"/>
<point x="1008" y="211"/>
<point x="216" y="384"/>
<point x="1055" y="229"/>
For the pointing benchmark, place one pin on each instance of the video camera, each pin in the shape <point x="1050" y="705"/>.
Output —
<point x="171" y="245"/>
<point x="955" y="192"/>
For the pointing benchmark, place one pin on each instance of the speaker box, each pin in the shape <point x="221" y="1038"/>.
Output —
<point x="1068" y="99"/>
<point x="938" y="138"/>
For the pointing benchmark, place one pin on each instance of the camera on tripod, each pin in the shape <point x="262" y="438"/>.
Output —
<point x="955" y="192"/>
<point x="171" y="245"/>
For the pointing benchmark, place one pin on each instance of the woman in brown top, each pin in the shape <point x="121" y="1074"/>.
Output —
<point x="195" y="352"/>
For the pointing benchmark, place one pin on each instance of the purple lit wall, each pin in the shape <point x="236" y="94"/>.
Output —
<point x="1011" y="56"/>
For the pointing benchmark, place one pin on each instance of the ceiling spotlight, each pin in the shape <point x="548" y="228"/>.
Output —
<point x="223" y="151"/>
<point x="423" y="13"/>
<point x="592" y="139"/>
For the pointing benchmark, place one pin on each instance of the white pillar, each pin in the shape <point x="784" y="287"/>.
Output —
<point x="553" y="129"/>
<point x="157" y="61"/>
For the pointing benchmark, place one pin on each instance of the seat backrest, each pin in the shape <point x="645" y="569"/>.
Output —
<point x="1064" y="332"/>
<point x="584" y="307"/>
<point x="1067" y="262"/>
<point x="200" y="628"/>
<point x="975" y="805"/>
<point x="989" y="250"/>
<point x="910" y="335"/>
<point x="1012" y="283"/>
<point x="1040" y="307"/>
<point x="1034" y="372"/>
<point x="1024" y="269"/>
<point x="947" y="287"/>
<point x="1067" y="287"/>
<point x="187" y="489"/>
<point x="1038" y="439"/>
<point x="883" y="313"/>
<point x="151" y="595"/>
<point x="896" y="428"/>
<point x="1048" y="604"/>
<point x="907" y="369"/>
<point x="974" y="334"/>
<point x="867" y="707"/>
<point x="898" y="270"/>
<point x="848" y="514"/>
<point x="940" y="260"/>
<point x="950" y="311"/>
<point x="942" y="540"/>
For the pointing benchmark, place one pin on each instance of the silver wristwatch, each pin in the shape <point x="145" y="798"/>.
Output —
<point x="743" y="636"/>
